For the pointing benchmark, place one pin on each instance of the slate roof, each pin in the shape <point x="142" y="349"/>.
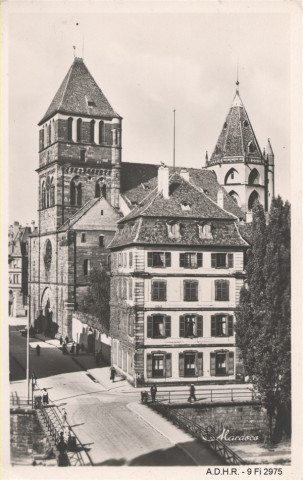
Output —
<point x="155" y="231"/>
<point x="236" y="135"/>
<point x="77" y="88"/>
<point x="138" y="180"/>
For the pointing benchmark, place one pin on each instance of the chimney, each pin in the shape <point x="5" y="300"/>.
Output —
<point x="184" y="174"/>
<point x="163" y="180"/>
<point x="220" y="198"/>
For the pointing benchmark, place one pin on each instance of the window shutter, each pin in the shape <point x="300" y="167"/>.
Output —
<point x="225" y="292"/>
<point x="200" y="364"/>
<point x="182" y="326"/>
<point x="213" y="260"/>
<point x="168" y="326"/>
<point x="230" y="363"/>
<point x="149" y="326"/>
<point x="149" y="365"/>
<point x="199" y="326"/>
<point x="213" y="326"/>
<point x="150" y="259"/>
<point x="199" y="259"/>
<point x="181" y="364"/>
<point x="213" y="363"/>
<point x="168" y="365"/>
<point x="182" y="260"/>
<point x="230" y="325"/>
<point x="230" y="259"/>
<point x="163" y="289"/>
<point x="167" y="259"/>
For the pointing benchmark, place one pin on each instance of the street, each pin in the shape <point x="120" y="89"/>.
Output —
<point x="102" y="413"/>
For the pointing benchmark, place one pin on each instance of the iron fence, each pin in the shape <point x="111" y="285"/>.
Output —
<point x="207" y="395"/>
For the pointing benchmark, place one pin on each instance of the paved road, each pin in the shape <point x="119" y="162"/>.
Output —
<point x="98" y="412"/>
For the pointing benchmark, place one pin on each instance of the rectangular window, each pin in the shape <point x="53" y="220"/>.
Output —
<point x="158" y="326"/>
<point x="130" y="288"/>
<point x="158" y="291"/>
<point x="191" y="364"/>
<point x="125" y="260"/>
<point x="222" y="260"/>
<point x="222" y="363"/>
<point x="16" y="279"/>
<point x="191" y="260"/>
<point x="158" y="365"/>
<point x="130" y="259"/>
<point x="83" y="237"/>
<point x="191" y="326"/>
<point x="222" y="290"/>
<point x="130" y="325"/>
<point x="120" y="259"/>
<point x="159" y="259"/>
<point x="86" y="267"/>
<point x="101" y="241"/>
<point x="190" y="290"/>
<point x="222" y="326"/>
<point x="82" y="155"/>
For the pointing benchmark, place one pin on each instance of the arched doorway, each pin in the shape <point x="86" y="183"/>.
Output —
<point x="45" y="323"/>
<point x="254" y="196"/>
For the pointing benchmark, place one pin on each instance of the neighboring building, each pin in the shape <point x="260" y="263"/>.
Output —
<point x="177" y="271"/>
<point x="245" y="172"/>
<point x="18" y="269"/>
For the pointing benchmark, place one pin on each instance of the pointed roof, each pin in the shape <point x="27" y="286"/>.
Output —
<point x="237" y="137"/>
<point x="268" y="149"/>
<point x="77" y="90"/>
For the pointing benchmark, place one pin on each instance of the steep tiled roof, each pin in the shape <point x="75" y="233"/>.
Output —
<point x="77" y="89"/>
<point x="74" y="218"/>
<point x="236" y="135"/>
<point x="181" y="192"/>
<point x="138" y="180"/>
<point x="155" y="231"/>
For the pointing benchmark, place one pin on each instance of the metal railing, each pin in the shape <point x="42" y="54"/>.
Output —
<point x="206" y="435"/>
<point x="19" y="402"/>
<point x="208" y="395"/>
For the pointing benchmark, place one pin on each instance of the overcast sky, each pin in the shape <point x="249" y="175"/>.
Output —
<point x="147" y="63"/>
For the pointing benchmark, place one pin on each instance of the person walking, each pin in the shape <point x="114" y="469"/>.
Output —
<point x="66" y="339"/>
<point x="45" y="397"/>
<point x="77" y="349"/>
<point x="38" y="348"/>
<point x="153" y="392"/>
<point x="192" y="395"/>
<point x="64" y="349"/>
<point x="72" y="350"/>
<point x="64" y="416"/>
<point x="61" y="340"/>
<point x="112" y="373"/>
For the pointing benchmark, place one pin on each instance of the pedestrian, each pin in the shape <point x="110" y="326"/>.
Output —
<point x="61" y="340"/>
<point x="64" y="416"/>
<point x="112" y="373"/>
<point x="64" y="349"/>
<point x="153" y="392"/>
<point x="192" y="395"/>
<point x="45" y="397"/>
<point x="66" y="339"/>
<point x="38" y="350"/>
<point x="62" y="448"/>
<point x="72" y="350"/>
<point x="82" y="347"/>
<point x="77" y="349"/>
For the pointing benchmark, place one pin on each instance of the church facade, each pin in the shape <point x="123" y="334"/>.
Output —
<point x="170" y="237"/>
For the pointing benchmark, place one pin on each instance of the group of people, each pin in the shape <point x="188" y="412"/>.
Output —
<point x="192" y="395"/>
<point x="76" y="347"/>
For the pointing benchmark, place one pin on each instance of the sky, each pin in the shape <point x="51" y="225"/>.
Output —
<point x="148" y="62"/>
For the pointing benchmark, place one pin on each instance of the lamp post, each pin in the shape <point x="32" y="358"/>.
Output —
<point x="27" y="349"/>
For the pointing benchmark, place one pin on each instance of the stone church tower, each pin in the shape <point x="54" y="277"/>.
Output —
<point x="79" y="186"/>
<point x="245" y="172"/>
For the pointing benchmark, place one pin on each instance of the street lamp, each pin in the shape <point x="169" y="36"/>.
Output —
<point x="27" y="347"/>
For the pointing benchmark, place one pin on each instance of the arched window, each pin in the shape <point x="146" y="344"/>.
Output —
<point x="49" y="134"/>
<point x="92" y="131"/>
<point x="231" y="176"/>
<point x="254" y="177"/>
<point x="52" y="193"/>
<point x="234" y="196"/>
<point x="79" y="130"/>
<point x="79" y="194"/>
<point x="70" y="129"/>
<point x="103" y="189"/>
<point x="251" y="147"/>
<point x="72" y="193"/>
<point x="43" y="196"/>
<point x="97" y="189"/>
<point x="101" y="132"/>
<point x="252" y="199"/>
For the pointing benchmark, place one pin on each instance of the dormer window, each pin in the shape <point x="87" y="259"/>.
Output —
<point x="205" y="231"/>
<point x="186" y="206"/>
<point x="225" y="125"/>
<point x="251" y="147"/>
<point x="245" y="123"/>
<point x="90" y="102"/>
<point x="145" y="186"/>
<point x="173" y="230"/>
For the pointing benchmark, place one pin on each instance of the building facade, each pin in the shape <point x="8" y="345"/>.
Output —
<point x="18" y="268"/>
<point x="246" y="173"/>
<point x="177" y="271"/>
